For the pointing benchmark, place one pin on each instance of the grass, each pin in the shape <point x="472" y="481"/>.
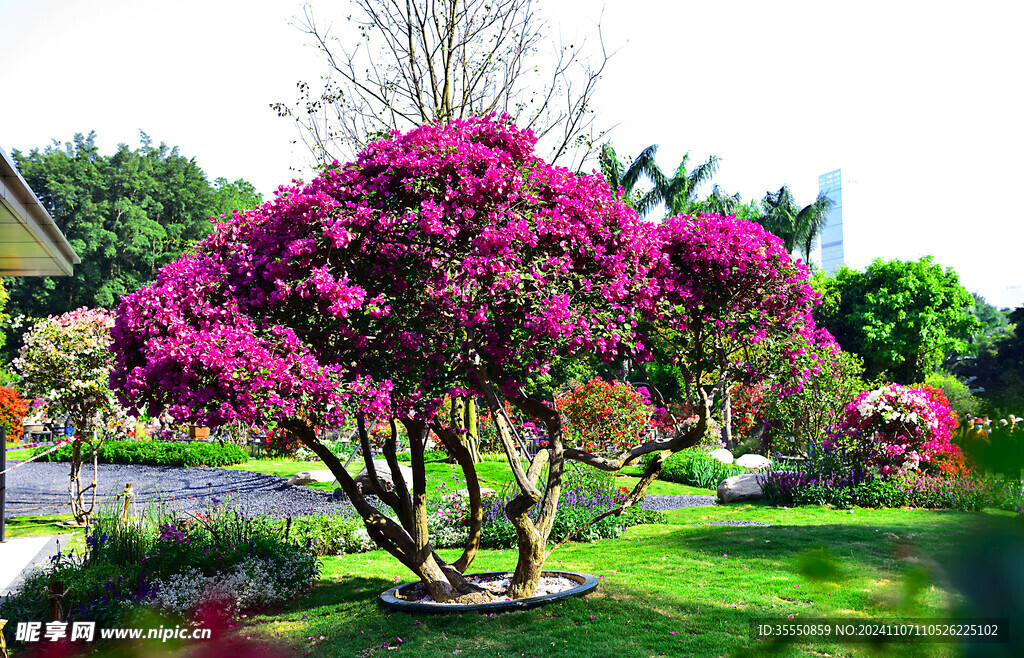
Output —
<point x="492" y="474"/>
<point x="21" y="454"/>
<point x="675" y="589"/>
<point x="35" y="526"/>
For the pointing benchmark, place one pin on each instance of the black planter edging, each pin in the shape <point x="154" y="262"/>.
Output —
<point x="586" y="583"/>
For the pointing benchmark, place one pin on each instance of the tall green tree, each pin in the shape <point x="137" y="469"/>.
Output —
<point x="126" y="215"/>
<point x="720" y="202"/>
<point x="995" y="324"/>
<point x="797" y="226"/>
<point x="679" y="191"/>
<point x="901" y="317"/>
<point x="626" y="175"/>
<point x="1000" y="367"/>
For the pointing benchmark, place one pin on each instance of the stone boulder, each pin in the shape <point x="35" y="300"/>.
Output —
<point x="309" y="477"/>
<point x="739" y="487"/>
<point x="722" y="455"/>
<point x="384" y="475"/>
<point x="753" y="461"/>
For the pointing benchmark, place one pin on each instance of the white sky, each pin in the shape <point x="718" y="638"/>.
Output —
<point x="919" y="102"/>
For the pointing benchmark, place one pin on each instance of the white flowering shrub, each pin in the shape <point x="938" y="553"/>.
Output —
<point x="252" y="584"/>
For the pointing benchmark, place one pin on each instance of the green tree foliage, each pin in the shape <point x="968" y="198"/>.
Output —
<point x="679" y="191"/>
<point x="797" y="226"/>
<point x="806" y="417"/>
<point x="995" y="324"/>
<point x="720" y="202"/>
<point x="126" y="215"/>
<point x="957" y="393"/>
<point x="1000" y="368"/>
<point x="901" y="317"/>
<point x="619" y="174"/>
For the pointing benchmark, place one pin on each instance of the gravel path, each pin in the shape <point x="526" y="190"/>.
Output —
<point x="42" y="488"/>
<point x="664" y="503"/>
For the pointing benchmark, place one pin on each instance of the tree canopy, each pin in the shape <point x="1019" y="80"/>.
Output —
<point x="449" y="260"/>
<point x="901" y="317"/>
<point x="126" y="215"/>
<point x="797" y="226"/>
<point x="1000" y="367"/>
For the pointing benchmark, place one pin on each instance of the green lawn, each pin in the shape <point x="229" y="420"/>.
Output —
<point x="676" y="589"/>
<point x="492" y="474"/>
<point x="24" y="453"/>
<point x="34" y="526"/>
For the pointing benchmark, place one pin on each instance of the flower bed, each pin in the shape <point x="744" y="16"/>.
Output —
<point x="205" y="568"/>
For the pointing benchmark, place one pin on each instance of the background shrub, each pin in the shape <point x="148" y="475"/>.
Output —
<point x="696" y="469"/>
<point x="156" y="453"/>
<point x="957" y="393"/>
<point x="605" y="417"/>
<point x="898" y="428"/>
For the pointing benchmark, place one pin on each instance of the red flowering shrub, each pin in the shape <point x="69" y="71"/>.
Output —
<point x="748" y="403"/>
<point x="282" y="443"/>
<point x="605" y="417"/>
<point x="12" y="411"/>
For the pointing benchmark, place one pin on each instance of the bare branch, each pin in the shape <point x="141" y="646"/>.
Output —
<point x="416" y="62"/>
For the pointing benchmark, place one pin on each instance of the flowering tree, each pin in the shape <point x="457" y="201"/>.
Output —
<point x="449" y="260"/>
<point x="66" y="361"/>
<point x="729" y="305"/>
<point x="897" y="428"/>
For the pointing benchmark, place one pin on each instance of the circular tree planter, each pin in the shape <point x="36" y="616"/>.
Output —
<point x="394" y="599"/>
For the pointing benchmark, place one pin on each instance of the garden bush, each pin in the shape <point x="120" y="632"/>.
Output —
<point x="334" y="534"/>
<point x="213" y="565"/>
<point x="156" y="453"/>
<point x="957" y="393"/>
<point x="12" y="412"/>
<point x="605" y="417"/>
<point x="897" y="428"/>
<point x="696" y="469"/>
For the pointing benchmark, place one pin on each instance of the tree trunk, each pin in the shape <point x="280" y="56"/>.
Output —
<point x="406" y="540"/>
<point x="75" y="490"/>
<point x="727" y="417"/>
<point x="472" y="434"/>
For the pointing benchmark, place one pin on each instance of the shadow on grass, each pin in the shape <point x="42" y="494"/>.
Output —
<point x="694" y="590"/>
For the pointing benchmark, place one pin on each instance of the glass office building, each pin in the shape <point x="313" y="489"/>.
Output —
<point x="833" y="254"/>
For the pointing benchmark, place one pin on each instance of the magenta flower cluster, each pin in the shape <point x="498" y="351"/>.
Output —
<point x="377" y="285"/>
<point x="732" y="296"/>
<point x="382" y="285"/>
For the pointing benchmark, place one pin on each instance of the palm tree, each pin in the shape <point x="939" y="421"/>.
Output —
<point x="618" y="175"/>
<point x="720" y="203"/>
<point x="798" y="227"/>
<point x="678" y="192"/>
